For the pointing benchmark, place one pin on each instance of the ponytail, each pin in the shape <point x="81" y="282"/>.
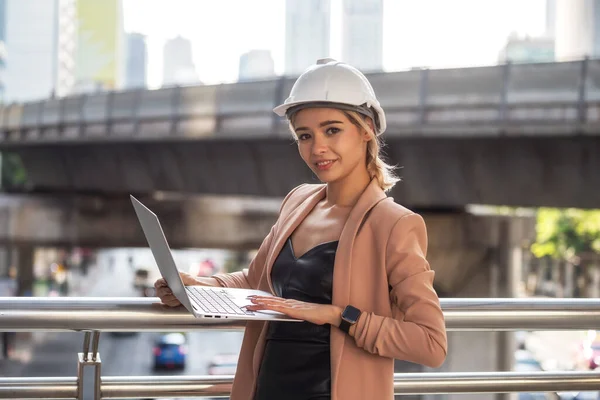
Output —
<point x="377" y="168"/>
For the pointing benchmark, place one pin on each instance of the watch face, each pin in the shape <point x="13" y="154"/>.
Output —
<point x="351" y="314"/>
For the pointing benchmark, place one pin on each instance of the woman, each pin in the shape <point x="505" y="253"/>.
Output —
<point x="342" y="256"/>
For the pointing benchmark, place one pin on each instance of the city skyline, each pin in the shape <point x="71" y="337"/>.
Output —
<point x="450" y="37"/>
<point x="436" y="40"/>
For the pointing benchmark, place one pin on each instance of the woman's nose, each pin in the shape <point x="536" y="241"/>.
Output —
<point x="319" y="145"/>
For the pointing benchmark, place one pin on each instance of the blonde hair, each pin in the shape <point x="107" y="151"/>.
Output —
<point x="376" y="166"/>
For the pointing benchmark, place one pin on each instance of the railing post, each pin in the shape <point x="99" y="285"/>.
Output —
<point x="61" y="116"/>
<point x="92" y="359"/>
<point x="81" y="114"/>
<point x="581" y="103"/>
<point x="137" y="102"/>
<point x="423" y="94"/>
<point x="110" y="98"/>
<point x="175" y="116"/>
<point x="277" y="100"/>
<point x="503" y="109"/>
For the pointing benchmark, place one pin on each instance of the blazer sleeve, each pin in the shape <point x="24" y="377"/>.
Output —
<point x="249" y="277"/>
<point x="416" y="332"/>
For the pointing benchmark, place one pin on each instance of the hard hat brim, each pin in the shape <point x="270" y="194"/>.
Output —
<point x="282" y="109"/>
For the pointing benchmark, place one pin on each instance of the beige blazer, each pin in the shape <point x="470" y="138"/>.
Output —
<point x="380" y="267"/>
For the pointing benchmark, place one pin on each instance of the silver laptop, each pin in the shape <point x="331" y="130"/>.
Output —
<point x="202" y="301"/>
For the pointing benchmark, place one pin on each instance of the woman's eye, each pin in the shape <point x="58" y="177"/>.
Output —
<point x="332" y="131"/>
<point x="303" y="136"/>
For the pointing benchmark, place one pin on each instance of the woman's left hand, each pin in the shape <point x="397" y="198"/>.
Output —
<point x="318" y="314"/>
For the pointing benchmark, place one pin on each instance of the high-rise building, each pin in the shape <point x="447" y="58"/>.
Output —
<point x="577" y="29"/>
<point x="255" y="65"/>
<point x="362" y="39"/>
<point x="307" y="26"/>
<point x="99" y="61"/>
<point x="67" y="47"/>
<point x="30" y="29"/>
<point x="2" y="20"/>
<point x="137" y="61"/>
<point x="550" y="18"/>
<point x="2" y="47"/>
<point x="178" y="63"/>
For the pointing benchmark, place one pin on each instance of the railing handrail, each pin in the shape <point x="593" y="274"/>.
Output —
<point x="113" y="387"/>
<point x="146" y="314"/>
<point x="136" y="314"/>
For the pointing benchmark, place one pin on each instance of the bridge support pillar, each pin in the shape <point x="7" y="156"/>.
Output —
<point x="24" y="261"/>
<point x="4" y="261"/>
<point x="477" y="256"/>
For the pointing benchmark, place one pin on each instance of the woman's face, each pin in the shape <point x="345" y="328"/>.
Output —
<point x="332" y="146"/>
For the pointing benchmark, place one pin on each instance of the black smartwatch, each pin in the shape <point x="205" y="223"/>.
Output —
<point x="350" y="316"/>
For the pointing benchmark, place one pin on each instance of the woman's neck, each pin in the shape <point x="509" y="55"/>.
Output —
<point x="345" y="193"/>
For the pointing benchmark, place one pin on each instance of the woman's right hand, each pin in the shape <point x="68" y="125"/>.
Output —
<point x="163" y="291"/>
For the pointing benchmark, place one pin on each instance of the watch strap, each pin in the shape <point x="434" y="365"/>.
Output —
<point x="345" y="326"/>
<point x="346" y="323"/>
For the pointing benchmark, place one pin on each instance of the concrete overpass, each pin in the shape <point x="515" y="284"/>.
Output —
<point x="520" y="135"/>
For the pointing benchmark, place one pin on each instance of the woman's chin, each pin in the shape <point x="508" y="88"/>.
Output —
<point x="326" y="176"/>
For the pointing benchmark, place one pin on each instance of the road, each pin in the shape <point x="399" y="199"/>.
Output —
<point x="55" y="353"/>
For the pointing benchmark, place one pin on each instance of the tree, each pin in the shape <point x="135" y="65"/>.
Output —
<point x="13" y="171"/>
<point x="567" y="234"/>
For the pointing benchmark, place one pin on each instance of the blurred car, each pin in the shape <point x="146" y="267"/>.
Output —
<point x="223" y="364"/>
<point x="525" y="362"/>
<point x="521" y="339"/>
<point x="144" y="279"/>
<point x="591" y="355"/>
<point x="140" y="278"/>
<point x="148" y="291"/>
<point x="588" y="354"/>
<point x="170" y="351"/>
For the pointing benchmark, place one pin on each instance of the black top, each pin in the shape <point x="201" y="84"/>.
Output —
<point x="296" y="361"/>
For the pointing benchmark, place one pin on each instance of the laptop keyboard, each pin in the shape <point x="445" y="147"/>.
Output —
<point x="215" y="301"/>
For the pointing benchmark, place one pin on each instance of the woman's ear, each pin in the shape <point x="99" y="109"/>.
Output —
<point x="367" y="136"/>
<point x="369" y="122"/>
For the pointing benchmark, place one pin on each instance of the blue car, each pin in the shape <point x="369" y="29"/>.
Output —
<point x="170" y="351"/>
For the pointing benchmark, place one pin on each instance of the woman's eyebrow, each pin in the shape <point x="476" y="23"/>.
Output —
<point x="322" y="124"/>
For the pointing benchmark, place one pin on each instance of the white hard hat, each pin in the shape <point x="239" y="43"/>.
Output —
<point x="331" y="81"/>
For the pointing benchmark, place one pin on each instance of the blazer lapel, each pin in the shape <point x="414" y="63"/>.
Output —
<point x="287" y="226"/>
<point x="371" y="196"/>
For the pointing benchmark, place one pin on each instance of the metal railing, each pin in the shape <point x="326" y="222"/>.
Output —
<point x="94" y="315"/>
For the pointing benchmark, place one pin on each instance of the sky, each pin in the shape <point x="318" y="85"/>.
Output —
<point x="417" y="33"/>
